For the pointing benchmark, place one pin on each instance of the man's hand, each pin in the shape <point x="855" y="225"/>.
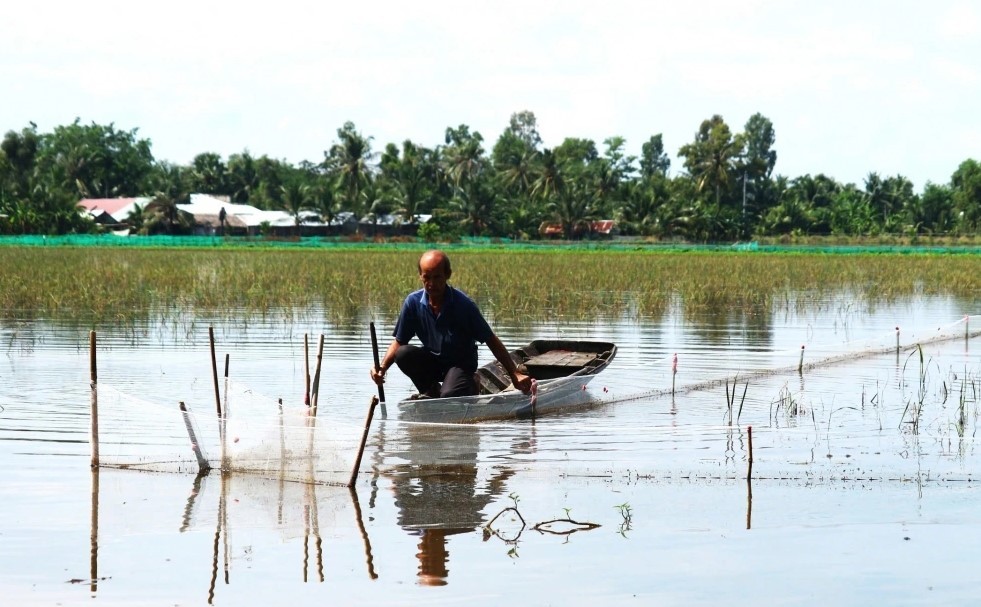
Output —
<point x="377" y="376"/>
<point x="522" y="382"/>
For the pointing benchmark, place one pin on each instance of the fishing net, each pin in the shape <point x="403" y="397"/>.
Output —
<point x="256" y="435"/>
<point x="669" y="375"/>
<point x="265" y="438"/>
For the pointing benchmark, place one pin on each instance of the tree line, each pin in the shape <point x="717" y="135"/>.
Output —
<point x="727" y="189"/>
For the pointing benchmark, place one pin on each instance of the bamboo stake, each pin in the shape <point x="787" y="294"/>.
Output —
<point x="315" y="398"/>
<point x="800" y="365"/>
<point x="374" y="350"/>
<point x="223" y="508"/>
<point x="226" y="408"/>
<point x="749" y="481"/>
<point x="94" y="534"/>
<point x="214" y="369"/>
<point x="364" y="440"/>
<point x="282" y="446"/>
<point x="306" y="367"/>
<point x="674" y="371"/>
<point x="94" y="420"/>
<point x="203" y="465"/>
<point x="221" y="418"/>
<point x="749" y="471"/>
<point x="897" y="340"/>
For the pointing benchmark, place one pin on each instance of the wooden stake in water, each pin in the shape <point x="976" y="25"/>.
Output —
<point x="221" y="418"/>
<point x="214" y="369"/>
<point x="374" y="351"/>
<point x="674" y="371"/>
<point x="203" y="465"/>
<point x="364" y="440"/>
<point x="315" y="398"/>
<point x="306" y="367"/>
<point x="800" y="365"/>
<point x="967" y="325"/>
<point x="94" y="421"/>
<point x="225" y="407"/>
<point x="94" y="535"/>
<point x="897" y="340"/>
<point x="749" y="433"/>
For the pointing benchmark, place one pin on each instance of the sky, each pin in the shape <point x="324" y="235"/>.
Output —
<point x="851" y="87"/>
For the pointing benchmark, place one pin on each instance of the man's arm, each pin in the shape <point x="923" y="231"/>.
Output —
<point x="520" y="380"/>
<point x="378" y="375"/>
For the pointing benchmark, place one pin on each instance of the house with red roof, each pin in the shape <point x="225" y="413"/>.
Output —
<point x="111" y="211"/>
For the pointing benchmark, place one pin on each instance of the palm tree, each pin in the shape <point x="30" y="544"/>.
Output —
<point x="550" y="179"/>
<point x="378" y="202"/>
<point x="711" y="158"/>
<point x="638" y="212"/>
<point x="473" y="207"/>
<point x="324" y="200"/>
<point x="411" y="176"/>
<point x="573" y="208"/>
<point x="350" y="161"/>
<point x="296" y="199"/>
<point x="463" y="156"/>
<point x="136" y="219"/>
<point x="163" y="216"/>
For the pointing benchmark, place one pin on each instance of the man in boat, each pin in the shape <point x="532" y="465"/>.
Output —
<point x="449" y="325"/>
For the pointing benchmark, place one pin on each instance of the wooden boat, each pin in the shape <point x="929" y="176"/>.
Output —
<point x="562" y="370"/>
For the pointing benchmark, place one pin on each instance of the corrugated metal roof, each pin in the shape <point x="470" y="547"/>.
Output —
<point x="244" y="215"/>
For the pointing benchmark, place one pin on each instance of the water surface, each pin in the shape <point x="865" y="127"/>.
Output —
<point x="850" y="502"/>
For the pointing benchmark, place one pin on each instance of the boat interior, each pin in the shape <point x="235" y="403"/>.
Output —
<point x="548" y="359"/>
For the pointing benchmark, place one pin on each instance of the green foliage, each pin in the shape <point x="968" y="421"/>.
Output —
<point x="711" y="159"/>
<point x="349" y="162"/>
<point x="728" y="191"/>
<point x="429" y="232"/>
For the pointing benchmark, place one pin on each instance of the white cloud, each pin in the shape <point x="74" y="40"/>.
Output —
<point x="960" y="21"/>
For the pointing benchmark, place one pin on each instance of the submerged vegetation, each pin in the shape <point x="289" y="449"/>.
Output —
<point x="111" y="285"/>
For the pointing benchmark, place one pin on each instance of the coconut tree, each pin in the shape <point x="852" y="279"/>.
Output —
<point x="296" y="199"/>
<point x="711" y="158"/>
<point x="573" y="208"/>
<point x="411" y="175"/>
<point x="350" y="162"/>
<point x="549" y="179"/>
<point x="163" y="216"/>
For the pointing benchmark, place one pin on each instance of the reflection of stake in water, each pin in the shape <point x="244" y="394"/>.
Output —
<point x="295" y="508"/>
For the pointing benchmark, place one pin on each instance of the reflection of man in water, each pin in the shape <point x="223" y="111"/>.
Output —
<point x="439" y="495"/>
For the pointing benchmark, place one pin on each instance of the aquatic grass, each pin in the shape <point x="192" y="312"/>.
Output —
<point x="792" y="407"/>
<point x="731" y="399"/>
<point x="114" y="284"/>
<point x="914" y="405"/>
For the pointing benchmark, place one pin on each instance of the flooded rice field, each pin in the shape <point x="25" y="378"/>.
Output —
<point x="856" y="485"/>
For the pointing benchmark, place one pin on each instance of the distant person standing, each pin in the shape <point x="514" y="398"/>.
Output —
<point x="449" y="325"/>
<point x="222" y="215"/>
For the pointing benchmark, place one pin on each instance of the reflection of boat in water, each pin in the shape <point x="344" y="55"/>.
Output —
<point x="562" y="370"/>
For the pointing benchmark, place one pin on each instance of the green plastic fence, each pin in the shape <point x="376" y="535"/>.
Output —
<point x="109" y="240"/>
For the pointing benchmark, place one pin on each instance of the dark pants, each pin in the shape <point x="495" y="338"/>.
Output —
<point x="426" y="372"/>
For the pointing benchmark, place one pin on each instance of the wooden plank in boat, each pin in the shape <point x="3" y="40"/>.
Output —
<point x="561" y="358"/>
